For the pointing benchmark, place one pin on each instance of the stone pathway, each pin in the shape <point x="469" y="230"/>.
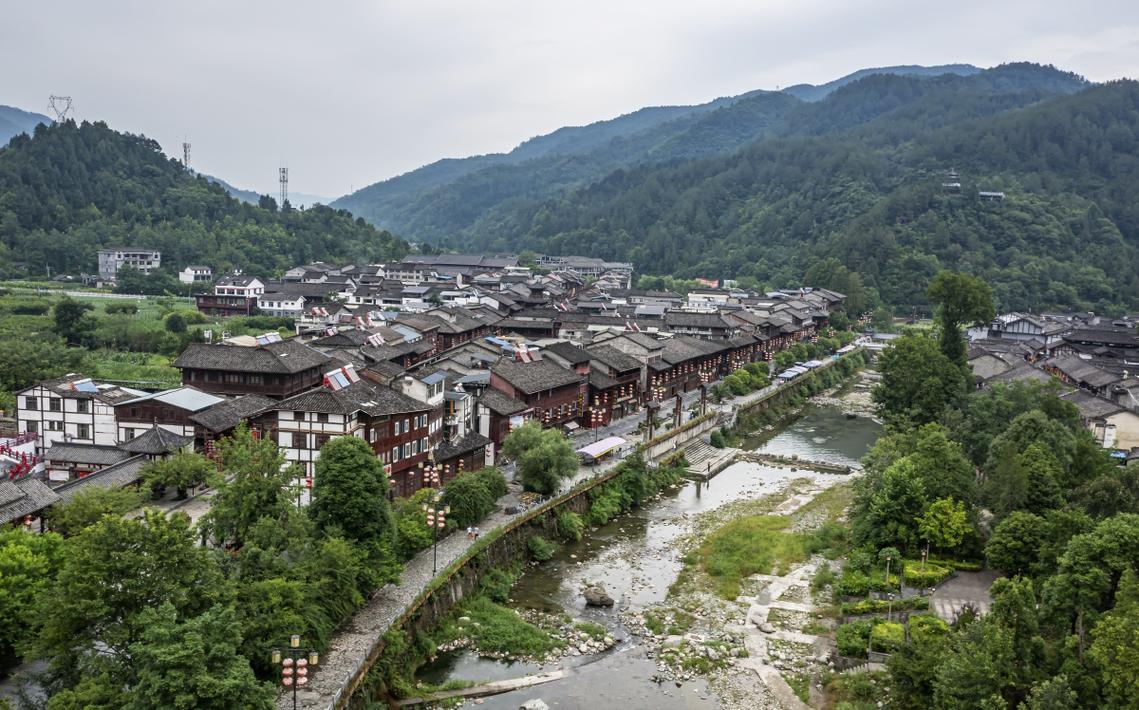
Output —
<point x="966" y="588"/>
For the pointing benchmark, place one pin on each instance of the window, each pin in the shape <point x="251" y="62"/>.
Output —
<point x="83" y="431"/>
<point x="128" y="434"/>
<point x="406" y="425"/>
<point x="322" y="417"/>
<point x="299" y="416"/>
<point x="55" y="426"/>
<point x="83" y="406"/>
<point x="31" y="403"/>
<point x="33" y="427"/>
<point x="321" y="440"/>
<point x="395" y="454"/>
<point x="55" y="404"/>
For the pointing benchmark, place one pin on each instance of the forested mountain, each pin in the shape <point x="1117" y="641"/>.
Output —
<point x="858" y="176"/>
<point x="72" y="189"/>
<point x="810" y="92"/>
<point x="14" y="121"/>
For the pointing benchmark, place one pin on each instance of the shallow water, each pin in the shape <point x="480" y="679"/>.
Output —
<point x="634" y="558"/>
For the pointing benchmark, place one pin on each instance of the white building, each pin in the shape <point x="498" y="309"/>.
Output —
<point x="281" y="305"/>
<point x="71" y="409"/>
<point x="195" y="274"/>
<point x="246" y="286"/>
<point x="111" y="260"/>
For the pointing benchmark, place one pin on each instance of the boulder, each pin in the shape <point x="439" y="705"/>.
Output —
<point x="767" y="628"/>
<point x="535" y="704"/>
<point x="596" y="596"/>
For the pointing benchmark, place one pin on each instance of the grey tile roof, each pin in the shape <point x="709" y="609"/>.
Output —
<point x="614" y="358"/>
<point x="569" y="352"/>
<point x="601" y="381"/>
<point x="228" y="414"/>
<point x="501" y="403"/>
<point x="680" y="319"/>
<point x="533" y="377"/>
<point x="22" y="497"/>
<point x="121" y="474"/>
<point x="155" y="441"/>
<point x="453" y="449"/>
<point x="1091" y="406"/>
<point x="681" y="349"/>
<point x="362" y="396"/>
<point x="85" y="453"/>
<point x="286" y="357"/>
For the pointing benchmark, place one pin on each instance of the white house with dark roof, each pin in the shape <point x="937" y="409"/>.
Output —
<point x="73" y="409"/>
<point x="195" y="273"/>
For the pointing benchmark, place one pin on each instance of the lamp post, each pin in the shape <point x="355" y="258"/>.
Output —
<point x="436" y="520"/>
<point x="295" y="662"/>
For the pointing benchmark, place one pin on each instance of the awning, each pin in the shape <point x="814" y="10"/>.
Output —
<point x="600" y="448"/>
<point x="571" y="425"/>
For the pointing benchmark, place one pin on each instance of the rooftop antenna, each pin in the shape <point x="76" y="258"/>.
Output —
<point x="186" y="153"/>
<point x="284" y="180"/>
<point x="60" y="106"/>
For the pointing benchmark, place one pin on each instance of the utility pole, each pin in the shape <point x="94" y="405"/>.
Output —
<point x="60" y="106"/>
<point x="283" y="178"/>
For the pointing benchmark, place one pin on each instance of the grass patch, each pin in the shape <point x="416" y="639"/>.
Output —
<point x="597" y="632"/>
<point x="747" y="546"/>
<point x="498" y="629"/>
<point x="801" y="684"/>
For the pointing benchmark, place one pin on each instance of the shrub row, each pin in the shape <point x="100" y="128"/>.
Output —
<point x="878" y="606"/>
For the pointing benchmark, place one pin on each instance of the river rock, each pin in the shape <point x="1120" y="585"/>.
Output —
<point x="535" y="704"/>
<point x="767" y="628"/>
<point x="596" y="596"/>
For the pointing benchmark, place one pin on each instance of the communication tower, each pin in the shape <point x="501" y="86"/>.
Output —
<point x="284" y="180"/>
<point x="60" y="106"/>
<point x="186" y="154"/>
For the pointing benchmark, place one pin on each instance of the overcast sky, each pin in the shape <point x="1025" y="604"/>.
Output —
<point x="348" y="93"/>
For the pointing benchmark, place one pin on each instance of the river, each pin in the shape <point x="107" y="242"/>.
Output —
<point x="635" y="558"/>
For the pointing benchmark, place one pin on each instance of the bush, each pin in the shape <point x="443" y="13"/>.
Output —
<point x="127" y="309"/>
<point x="831" y="539"/>
<point x="493" y="480"/>
<point x="469" y="499"/>
<point x="606" y="505"/>
<point x="823" y="578"/>
<point x="570" y="526"/>
<point x="887" y="636"/>
<point x="927" y="628"/>
<point x="959" y="565"/>
<point x="29" y="307"/>
<point x="540" y="548"/>
<point x="496" y="584"/>
<point x="853" y="584"/>
<point x="920" y="578"/>
<point x="851" y="639"/>
<point x="717" y="439"/>
<point x="880" y="606"/>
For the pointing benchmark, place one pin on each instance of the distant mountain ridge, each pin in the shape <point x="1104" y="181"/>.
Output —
<point x="472" y="202"/>
<point x="14" y="121"/>
<point x="296" y="199"/>
<point x="810" y="92"/>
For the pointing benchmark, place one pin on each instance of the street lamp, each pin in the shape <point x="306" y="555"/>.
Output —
<point x="430" y="476"/>
<point x="436" y="520"/>
<point x="295" y="662"/>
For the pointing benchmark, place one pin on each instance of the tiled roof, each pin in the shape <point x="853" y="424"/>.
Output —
<point x="601" y="381"/>
<point x="285" y="357"/>
<point x="569" y="352"/>
<point x="533" y="377"/>
<point x="501" y="403"/>
<point x="614" y="358"/>
<point x="24" y="497"/>
<point x="695" y="320"/>
<point x="231" y="412"/>
<point x="361" y="396"/>
<point x="155" y="441"/>
<point x="681" y="349"/>
<point x="387" y="369"/>
<point x="1091" y="406"/>
<point x="121" y="474"/>
<point x="85" y="453"/>
<point x="453" y="449"/>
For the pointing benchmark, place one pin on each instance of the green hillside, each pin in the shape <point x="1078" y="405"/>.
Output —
<point x="72" y="189"/>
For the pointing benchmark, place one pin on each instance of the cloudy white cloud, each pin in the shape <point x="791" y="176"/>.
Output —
<point x="346" y="93"/>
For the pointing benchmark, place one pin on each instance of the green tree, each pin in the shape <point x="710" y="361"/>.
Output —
<point x="350" y="492"/>
<point x="961" y="299"/>
<point x="113" y="572"/>
<point x="1014" y="547"/>
<point x="944" y="524"/>
<point x="89" y="506"/>
<point x="194" y="663"/>
<point x="892" y="514"/>
<point x="175" y="323"/>
<point x="1042" y="471"/>
<point x="259" y="486"/>
<point x="28" y="568"/>
<point x="1116" y="645"/>
<point x="918" y="381"/>
<point x="181" y="471"/>
<point x="469" y="498"/>
<point x="977" y="668"/>
<point x="1014" y="610"/>
<point x="545" y="457"/>
<point x="73" y="323"/>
